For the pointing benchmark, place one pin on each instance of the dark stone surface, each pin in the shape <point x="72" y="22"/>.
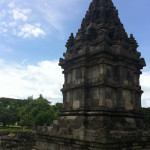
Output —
<point x="19" y="141"/>
<point x="101" y="93"/>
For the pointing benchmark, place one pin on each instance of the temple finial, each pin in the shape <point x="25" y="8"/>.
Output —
<point x="70" y="41"/>
<point x="133" y="42"/>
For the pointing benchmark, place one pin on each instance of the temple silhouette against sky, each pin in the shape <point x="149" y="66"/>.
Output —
<point x="101" y="92"/>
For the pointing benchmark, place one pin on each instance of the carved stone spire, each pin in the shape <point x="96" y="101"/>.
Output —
<point x="102" y="30"/>
<point x="133" y="42"/>
<point x="70" y="41"/>
<point x="102" y="12"/>
<point x="101" y="22"/>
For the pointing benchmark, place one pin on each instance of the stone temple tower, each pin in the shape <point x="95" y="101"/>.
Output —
<point x="101" y="93"/>
<point x="102" y="68"/>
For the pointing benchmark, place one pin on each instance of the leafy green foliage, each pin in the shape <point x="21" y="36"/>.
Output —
<point x="30" y="112"/>
<point x="7" y="115"/>
<point x="7" y="101"/>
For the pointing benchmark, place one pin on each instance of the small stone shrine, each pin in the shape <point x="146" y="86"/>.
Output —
<point x="101" y="93"/>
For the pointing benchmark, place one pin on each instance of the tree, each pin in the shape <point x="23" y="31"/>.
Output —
<point x="7" y="116"/>
<point x="57" y="108"/>
<point x="38" y="112"/>
<point x="28" y="112"/>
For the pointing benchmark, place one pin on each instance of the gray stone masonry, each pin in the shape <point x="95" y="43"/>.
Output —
<point x="20" y="141"/>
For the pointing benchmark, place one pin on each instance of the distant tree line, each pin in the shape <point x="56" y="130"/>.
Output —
<point x="30" y="112"/>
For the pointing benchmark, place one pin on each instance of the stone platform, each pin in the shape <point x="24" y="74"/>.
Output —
<point x="133" y="140"/>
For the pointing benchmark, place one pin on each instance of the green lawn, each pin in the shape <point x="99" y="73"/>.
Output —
<point x="12" y="128"/>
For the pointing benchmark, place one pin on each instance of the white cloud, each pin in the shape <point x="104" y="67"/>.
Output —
<point x="50" y="14"/>
<point x="29" y="30"/>
<point x="11" y="4"/>
<point x="3" y="27"/>
<point x="20" y="14"/>
<point x="5" y="30"/>
<point x="26" y="11"/>
<point x="20" y="81"/>
<point x="145" y="83"/>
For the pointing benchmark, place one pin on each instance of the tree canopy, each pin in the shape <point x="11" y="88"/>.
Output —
<point x="30" y="112"/>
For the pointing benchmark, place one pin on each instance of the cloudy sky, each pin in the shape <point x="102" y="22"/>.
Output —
<point x="33" y="34"/>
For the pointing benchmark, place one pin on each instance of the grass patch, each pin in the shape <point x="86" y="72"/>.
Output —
<point x="12" y="128"/>
<point x="11" y="134"/>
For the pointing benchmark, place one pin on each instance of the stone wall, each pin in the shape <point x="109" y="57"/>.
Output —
<point x="21" y="141"/>
<point x="46" y="142"/>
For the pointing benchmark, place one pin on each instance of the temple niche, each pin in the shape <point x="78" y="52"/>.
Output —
<point x="101" y="92"/>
